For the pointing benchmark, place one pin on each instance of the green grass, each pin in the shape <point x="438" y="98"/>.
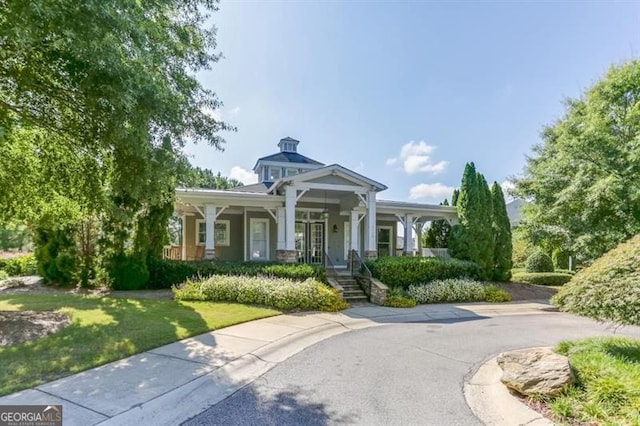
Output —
<point x="104" y="330"/>
<point x="607" y="391"/>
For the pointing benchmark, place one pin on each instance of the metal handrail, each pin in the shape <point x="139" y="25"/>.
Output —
<point x="329" y="266"/>
<point x="363" y="270"/>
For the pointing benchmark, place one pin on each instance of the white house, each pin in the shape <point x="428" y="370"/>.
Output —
<point x="300" y="211"/>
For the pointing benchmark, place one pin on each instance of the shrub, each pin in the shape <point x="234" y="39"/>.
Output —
<point x="542" y="278"/>
<point x="609" y="289"/>
<point x="279" y="293"/>
<point x="3" y="275"/>
<point x="400" y="302"/>
<point x="20" y="266"/>
<point x="560" y="259"/>
<point x="449" y="290"/>
<point x="539" y="262"/>
<point x="57" y="257"/>
<point x="406" y="271"/>
<point x="127" y="272"/>
<point x="167" y="273"/>
<point x="494" y="294"/>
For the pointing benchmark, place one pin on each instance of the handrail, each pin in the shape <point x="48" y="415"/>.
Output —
<point x="362" y="270"/>
<point x="329" y="266"/>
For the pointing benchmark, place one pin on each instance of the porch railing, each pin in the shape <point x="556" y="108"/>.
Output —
<point x="329" y="266"/>
<point x="357" y="267"/>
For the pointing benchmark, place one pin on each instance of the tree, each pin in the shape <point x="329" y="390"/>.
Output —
<point x="472" y="238"/>
<point x="582" y="179"/>
<point x="196" y="177"/>
<point x="437" y="236"/>
<point x="502" y="246"/>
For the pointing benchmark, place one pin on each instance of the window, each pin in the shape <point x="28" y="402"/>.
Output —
<point x="259" y="241"/>
<point x="275" y="172"/>
<point x="291" y="172"/>
<point x="221" y="232"/>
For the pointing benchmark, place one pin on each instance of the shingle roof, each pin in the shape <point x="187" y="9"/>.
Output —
<point x="290" y="157"/>
<point x="262" y="187"/>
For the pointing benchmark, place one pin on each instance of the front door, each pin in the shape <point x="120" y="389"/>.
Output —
<point x="310" y="242"/>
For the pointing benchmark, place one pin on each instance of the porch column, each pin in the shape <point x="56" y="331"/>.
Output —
<point x="210" y="221"/>
<point x="280" y="223"/>
<point x="183" y="256"/>
<point x="418" y="226"/>
<point x="288" y="253"/>
<point x="370" y="241"/>
<point x="353" y="243"/>
<point x="408" y="223"/>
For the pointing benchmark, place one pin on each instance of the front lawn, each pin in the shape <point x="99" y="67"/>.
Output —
<point x="104" y="330"/>
<point x="608" y="382"/>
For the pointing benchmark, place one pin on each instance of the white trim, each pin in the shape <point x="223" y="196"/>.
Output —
<point x="216" y="242"/>
<point x="363" y="182"/>
<point x="266" y="222"/>
<point x="330" y="187"/>
<point x="245" y="236"/>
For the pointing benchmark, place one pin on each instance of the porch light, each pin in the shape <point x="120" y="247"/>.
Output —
<point x="335" y="228"/>
<point x="324" y="214"/>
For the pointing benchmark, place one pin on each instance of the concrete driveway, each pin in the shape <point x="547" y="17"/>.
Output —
<point x="409" y="372"/>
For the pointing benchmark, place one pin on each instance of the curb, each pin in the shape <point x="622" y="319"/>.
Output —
<point x="493" y="404"/>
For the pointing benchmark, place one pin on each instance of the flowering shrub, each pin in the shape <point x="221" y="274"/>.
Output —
<point x="449" y="290"/>
<point x="279" y="293"/>
<point x="493" y="294"/>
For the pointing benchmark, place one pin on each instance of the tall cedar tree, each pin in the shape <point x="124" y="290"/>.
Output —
<point x="437" y="236"/>
<point x="502" y="250"/>
<point x="472" y="238"/>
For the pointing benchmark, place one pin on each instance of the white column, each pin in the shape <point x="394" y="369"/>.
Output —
<point x="184" y="237"/>
<point x="290" y="218"/>
<point x="354" y="226"/>
<point x="370" y="240"/>
<point x="408" y="223"/>
<point x="210" y="220"/>
<point x="419" y="226"/>
<point x="280" y="215"/>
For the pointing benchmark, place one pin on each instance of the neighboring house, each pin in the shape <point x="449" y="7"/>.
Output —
<point x="300" y="211"/>
<point x="514" y="211"/>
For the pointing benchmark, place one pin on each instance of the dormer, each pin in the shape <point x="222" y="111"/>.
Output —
<point x="287" y="162"/>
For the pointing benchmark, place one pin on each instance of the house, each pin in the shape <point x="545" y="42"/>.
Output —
<point x="300" y="211"/>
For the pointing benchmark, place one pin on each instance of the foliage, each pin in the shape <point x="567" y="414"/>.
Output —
<point x="502" y="248"/>
<point x="167" y="273"/>
<point x="560" y="258"/>
<point x="582" y="178"/>
<point x="14" y="236"/>
<point x="542" y="278"/>
<point x="400" y="302"/>
<point x="521" y="248"/>
<point x="19" y="266"/>
<point x="56" y="255"/>
<point x="493" y="294"/>
<point x="105" y="329"/>
<point x="405" y="271"/>
<point x="279" y="293"/>
<point x="472" y="239"/>
<point x="437" y="236"/>
<point x="539" y="262"/>
<point x="127" y="271"/>
<point x="609" y="289"/>
<point x="3" y="275"/>
<point x="447" y="291"/>
<point x="195" y="177"/>
<point x="607" y="388"/>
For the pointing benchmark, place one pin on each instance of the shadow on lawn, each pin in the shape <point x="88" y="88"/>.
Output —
<point x="624" y="350"/>
<point x="102" y="330"/>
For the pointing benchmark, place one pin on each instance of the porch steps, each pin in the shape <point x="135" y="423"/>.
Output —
<point x="352" y="293"/>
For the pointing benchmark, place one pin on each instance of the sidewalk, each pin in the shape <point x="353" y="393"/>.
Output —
<point x="170" y="384"/>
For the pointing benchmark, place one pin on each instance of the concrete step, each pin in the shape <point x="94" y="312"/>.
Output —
<point x="356" y="299"/>
<point x="349" y="293"/>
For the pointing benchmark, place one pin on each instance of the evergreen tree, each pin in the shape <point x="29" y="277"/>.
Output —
<point x="483" y="231"/>
<point x="502" y="251"/>
<point x="437" y="236"/>
<point x="454" y="197"/>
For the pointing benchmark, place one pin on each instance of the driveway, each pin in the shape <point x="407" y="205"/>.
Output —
<point x="408" y="372"/>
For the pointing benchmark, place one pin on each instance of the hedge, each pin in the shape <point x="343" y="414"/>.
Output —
<point x="539" y="262"/>
<point x="167" y="273"/>
<point x="542" y="278"/>
<point x="406" y="271"/>
<point x="280" y="293"/>
<point x="20" y="266"/>
<point x="448" y="291"/>
<point x="609" y="289"/>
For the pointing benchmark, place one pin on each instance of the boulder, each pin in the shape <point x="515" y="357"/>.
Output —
<point x="538" y="371"/>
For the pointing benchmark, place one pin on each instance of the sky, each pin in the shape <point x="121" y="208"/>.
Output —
<point x="406" y="93"/>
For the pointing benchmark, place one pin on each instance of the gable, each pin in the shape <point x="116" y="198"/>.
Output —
<point x="331" y="179"/>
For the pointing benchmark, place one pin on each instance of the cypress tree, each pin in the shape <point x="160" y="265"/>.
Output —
<point x="503" y="249"/>
<point x="483" y="231"/>
<point x="454" y="197"/>
<point x="461" y="243"/>
<point x="437" y="236"/>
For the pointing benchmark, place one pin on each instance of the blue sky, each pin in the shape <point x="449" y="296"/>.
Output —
<point x="406" y="92"/>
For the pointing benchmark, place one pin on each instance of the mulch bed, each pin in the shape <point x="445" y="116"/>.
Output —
<point x="21" y="326"/>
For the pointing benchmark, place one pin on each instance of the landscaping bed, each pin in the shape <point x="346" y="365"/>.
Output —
<point x="105" y="329"/>
<point x="607" y="388"/>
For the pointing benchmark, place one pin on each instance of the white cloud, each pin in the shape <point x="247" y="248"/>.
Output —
<point x="220" y="114"/>
<point x="245" y="176"/>
<point x="416" y="158"/>
<point x="234" y="111"/>
<point x="507" y="187"/>
<point x="430" y="191"/>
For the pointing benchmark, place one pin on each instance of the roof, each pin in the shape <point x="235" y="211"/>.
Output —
<point x="262" y="187"/>
<point x="327" y="170"/>
<point x="288" y="157"/>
